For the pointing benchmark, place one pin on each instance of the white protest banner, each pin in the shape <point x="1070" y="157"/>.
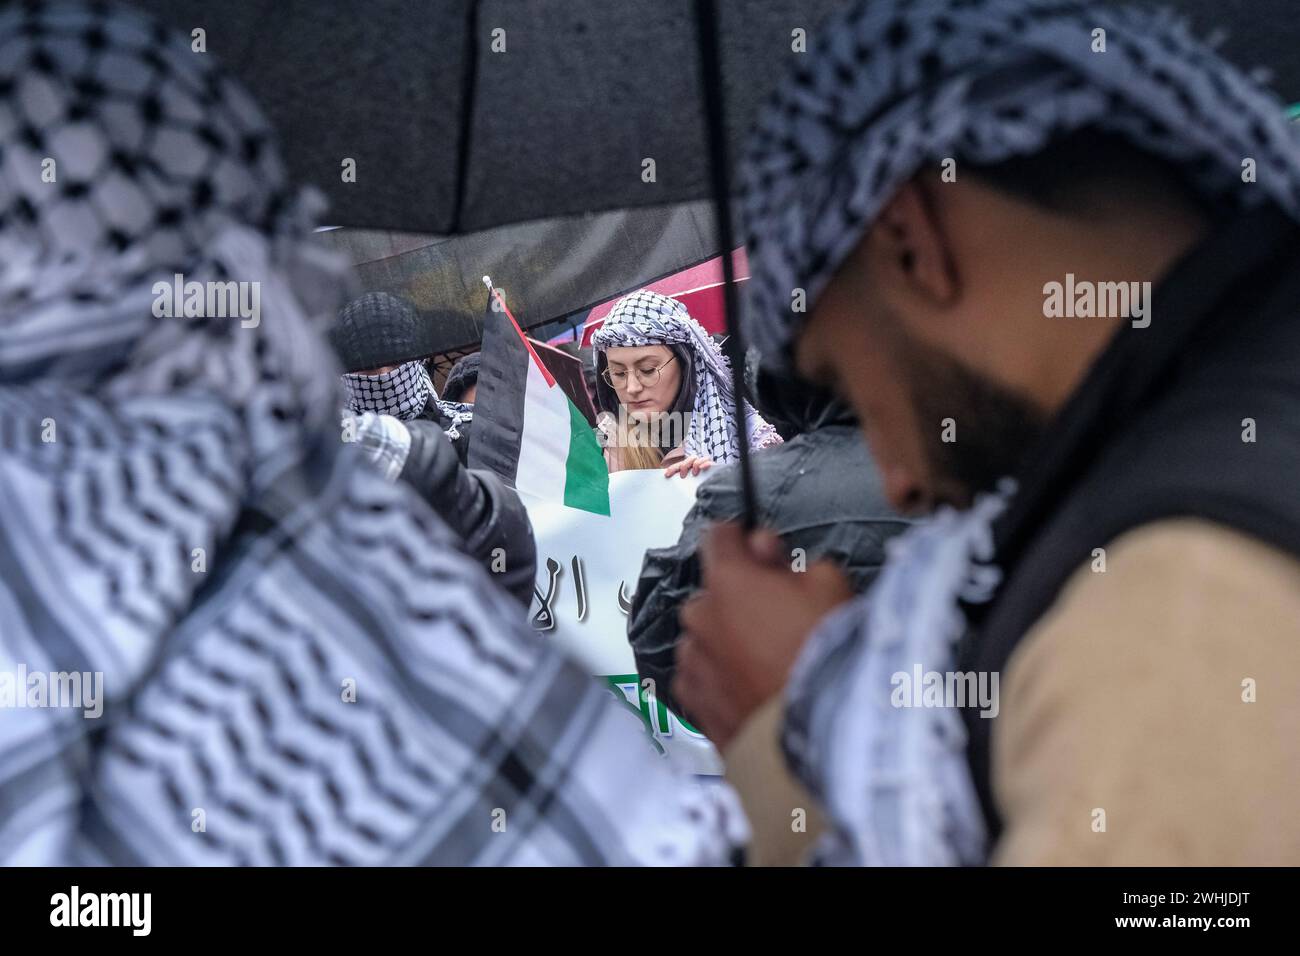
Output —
<point x="587" y="569"/>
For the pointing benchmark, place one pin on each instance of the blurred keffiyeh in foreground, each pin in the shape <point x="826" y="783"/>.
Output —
<point x="293" y="649"/>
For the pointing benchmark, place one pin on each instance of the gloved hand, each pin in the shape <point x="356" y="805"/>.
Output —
<point x="478" y="506"/>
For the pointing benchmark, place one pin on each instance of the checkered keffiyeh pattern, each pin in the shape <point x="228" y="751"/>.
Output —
<point x="457" y="415"/>
<point x="289" y="644"/>
<point x="894" y="780"/>
<point x="893" y="85"/>
<point x="401" y="392"/>
<point x="648" y="318"/>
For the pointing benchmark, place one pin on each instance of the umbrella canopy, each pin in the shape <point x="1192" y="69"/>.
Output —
<point x="549" y="270"/>
<point x="463" y="115"/>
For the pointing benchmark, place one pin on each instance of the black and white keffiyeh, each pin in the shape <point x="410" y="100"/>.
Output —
<point x="892" y="85"/>
<point x="892" y="776"/>
<point x="401" y="392"/>
<point x="456" y="415"/>
<point x="648" y="318"/>
<point x="298" y="664"/>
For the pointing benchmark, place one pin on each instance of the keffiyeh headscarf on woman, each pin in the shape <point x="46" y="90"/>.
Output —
<point x="177" y="515"/>
<point x="648" y="318"/>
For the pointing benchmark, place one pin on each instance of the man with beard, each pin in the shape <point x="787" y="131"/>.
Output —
<point x="1115" y="533"/>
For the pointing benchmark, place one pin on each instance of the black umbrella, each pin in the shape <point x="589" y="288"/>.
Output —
<point x="1259" y="35"/>
<point x="463" y="115"/>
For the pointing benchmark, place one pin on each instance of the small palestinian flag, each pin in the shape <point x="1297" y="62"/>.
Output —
<point x="526" y="429"/>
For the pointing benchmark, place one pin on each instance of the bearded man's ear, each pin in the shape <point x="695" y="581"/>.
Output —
<point x="909" y="247"/>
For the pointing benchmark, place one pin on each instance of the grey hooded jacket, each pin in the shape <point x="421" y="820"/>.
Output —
<point x="820" y="491"/>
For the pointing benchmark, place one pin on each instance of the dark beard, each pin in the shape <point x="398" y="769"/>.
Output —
<point x="996" y="428"/>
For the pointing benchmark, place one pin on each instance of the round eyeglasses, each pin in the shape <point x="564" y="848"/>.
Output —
<point x="648" y="378"/>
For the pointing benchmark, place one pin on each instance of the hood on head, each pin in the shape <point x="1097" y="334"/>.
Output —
<point x="379" y="329"/>
<point x="462" y="377"/>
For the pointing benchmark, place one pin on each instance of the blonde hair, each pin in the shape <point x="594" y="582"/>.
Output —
<point x="630" y="446"/>
<point x="635" y="448"/>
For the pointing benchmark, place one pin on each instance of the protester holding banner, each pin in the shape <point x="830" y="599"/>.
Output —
<point x="664" y="390"/>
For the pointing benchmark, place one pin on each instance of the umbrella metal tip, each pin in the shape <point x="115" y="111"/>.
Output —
<point x="487" y="281"/>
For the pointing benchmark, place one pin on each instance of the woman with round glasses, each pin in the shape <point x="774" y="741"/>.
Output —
<point x="663" y="389"/>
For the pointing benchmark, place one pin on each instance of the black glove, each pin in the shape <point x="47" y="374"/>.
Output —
<point x="478" y="506"/>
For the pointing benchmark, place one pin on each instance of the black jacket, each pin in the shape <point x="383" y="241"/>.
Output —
<point x="1156" y="431"/>
<point x="477" y="505"/>
<point x="820" y="491"/>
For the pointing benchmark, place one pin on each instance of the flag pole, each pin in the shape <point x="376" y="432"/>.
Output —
<point x="493" y="293"/>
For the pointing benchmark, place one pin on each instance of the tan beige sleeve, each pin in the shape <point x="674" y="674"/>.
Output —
<point x="783" y="817"/>
<point x="1152" y="717"/>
